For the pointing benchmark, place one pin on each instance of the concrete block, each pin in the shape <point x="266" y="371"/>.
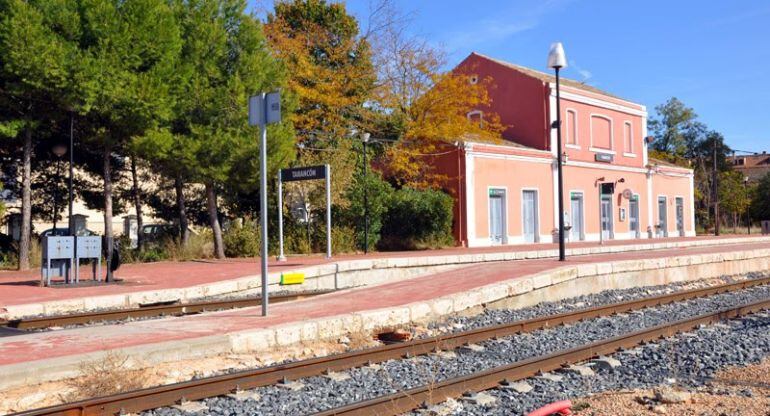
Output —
<point x="491" y="293"/>
<point x="105" y="302"/>
<point x="27" y="309"/>
<point x="379" y="318"/>
<point x="542" y="254"/>
<point x="563" y="275"/>
<point x="419" y="311"/>
<point x="585" y="270"/>
<point x="541" y="280"/>
<point x="195" y="292"/>
<point x="309" y="331"/>
<point x="519" y="286"/>
<point x="63" y="306"/>
<point x="603" y="268"/>
<point x="465" y="300"/>
<point x="288" y="334"/>
<point x="442" y="306"/>
<point x="220" y="288"/>
<point x="257" y="340"/>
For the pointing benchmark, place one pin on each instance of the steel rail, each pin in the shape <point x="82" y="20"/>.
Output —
<point x="175" y="309"/>
<point x="154" y="397"/>
<point x="408" y="400"/>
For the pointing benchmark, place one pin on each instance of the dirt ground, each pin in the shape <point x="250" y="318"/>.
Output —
<point x="737" y="391"/>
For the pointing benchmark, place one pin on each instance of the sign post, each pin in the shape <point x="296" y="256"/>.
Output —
<point x="264" y="108"/>
<point x="306" y="173"/>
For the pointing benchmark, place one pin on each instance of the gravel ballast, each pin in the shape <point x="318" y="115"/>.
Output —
<point x="684" y="357"/>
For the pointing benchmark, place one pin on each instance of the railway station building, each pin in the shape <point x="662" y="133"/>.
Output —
<point x="506" y="193"/>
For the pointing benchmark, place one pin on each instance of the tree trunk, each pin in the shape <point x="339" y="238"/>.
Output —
<point x="108" y="211"/>
<point x="26" y="203"/>
<point x="184" y="232"/>
<point x="211" y="202"/>
<point x="137" y="203"/>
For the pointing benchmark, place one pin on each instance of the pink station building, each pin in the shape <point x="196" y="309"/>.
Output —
<point x="506" y="193"/>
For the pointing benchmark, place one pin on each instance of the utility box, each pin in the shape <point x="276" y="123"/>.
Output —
<point x="89" y="248"/>
<point x="765" y="227"/>
<point x="131" y="229"/>
<point x="57" y="252"/>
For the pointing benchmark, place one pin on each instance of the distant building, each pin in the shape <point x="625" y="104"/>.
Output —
<point x="752" y="166"/>
<point x="506" y="193"/>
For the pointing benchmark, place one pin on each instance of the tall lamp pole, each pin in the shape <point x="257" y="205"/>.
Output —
<point x="365" y="138"/>
<point x="58" y="150"/>
<point x="748" y="205"/>
<point x="715" y="181"/>
<point x="558" y="60"/>
<point x="70" y="224"/>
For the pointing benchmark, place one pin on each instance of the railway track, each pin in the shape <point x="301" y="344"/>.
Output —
<point x="175" y="309"/>
<point x="155" y="397"/>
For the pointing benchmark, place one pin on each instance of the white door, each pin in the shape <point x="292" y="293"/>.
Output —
<point x="577" y="232"/>
<point x="662" y="217"/>
<point x="529" y="215"/>
<point x="497" y="216"/>
<point x="606" y="217"/>
<point x="633" y="216"/>
<point x="680" y="216"/>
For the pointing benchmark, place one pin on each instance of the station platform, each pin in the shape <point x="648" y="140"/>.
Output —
<point x="23" y="288"/>
<point x="42" y="356"/>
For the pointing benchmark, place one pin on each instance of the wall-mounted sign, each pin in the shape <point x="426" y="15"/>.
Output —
<point x="608" y="188"/>
<point x="603" y="157"/>
<point x="496" y="192"/>
<point x="622" y="214"/>
<point x="303" y="174"/>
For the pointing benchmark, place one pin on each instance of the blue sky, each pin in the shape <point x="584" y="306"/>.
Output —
<point x="713" y="55"/>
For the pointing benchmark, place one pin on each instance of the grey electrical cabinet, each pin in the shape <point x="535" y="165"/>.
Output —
<point x="58" y="252"/>
<point x="89" y="248"/>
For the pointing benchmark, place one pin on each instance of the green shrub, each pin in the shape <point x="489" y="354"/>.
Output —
<point x="378" y="194"/>
<point x="242" y="240"/>
<point x="417" y="220"/>
<point x="343" y="240"/>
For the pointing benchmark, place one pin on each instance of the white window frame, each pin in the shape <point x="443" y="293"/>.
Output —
<point x="537" y="213"/>
<point x="594" y="149"/>
<point x="629" y="140"/>
<point x="476" y="113"/>
<point x="583" y="219"/>
<point x="505" y="214"/>
<point x="574" y="129"/>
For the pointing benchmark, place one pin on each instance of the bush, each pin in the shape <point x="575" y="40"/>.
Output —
<point x="417" y="220"/>
<point x="378" y="194"/>
<point x="242" y="240"/>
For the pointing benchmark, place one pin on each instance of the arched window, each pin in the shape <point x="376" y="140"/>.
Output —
<point x="476" y="116"/>
<point x="601" y="132"/>
<point x="628" y="138"/>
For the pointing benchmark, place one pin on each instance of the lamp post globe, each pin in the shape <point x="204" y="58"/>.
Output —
<point x="556" y="61"/>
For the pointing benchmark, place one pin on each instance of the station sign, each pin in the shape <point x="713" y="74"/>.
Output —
<point x="603" y="157"/>
<point x="303" y="173"/>
<point x="608" y="188"/>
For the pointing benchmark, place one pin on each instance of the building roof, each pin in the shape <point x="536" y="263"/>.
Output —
<point x="751" y="161"/>
<point x="545" y="77"/>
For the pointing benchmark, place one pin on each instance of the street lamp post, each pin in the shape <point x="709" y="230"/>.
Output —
<point x="365" y="138"/>
<point x="748" y="206"/>
<point x="558" y="60"/>
<point x="59" y="150"/>
<point x="70" y="224"/>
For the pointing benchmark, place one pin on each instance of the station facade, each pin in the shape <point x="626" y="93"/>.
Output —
<point x="506" y="193"/>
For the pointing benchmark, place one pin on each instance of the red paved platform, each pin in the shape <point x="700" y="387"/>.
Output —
<point x="23" y="287"/>
<point x="77" y="341"/>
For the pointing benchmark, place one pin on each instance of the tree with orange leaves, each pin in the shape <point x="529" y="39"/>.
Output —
<point x="420" y="107"/>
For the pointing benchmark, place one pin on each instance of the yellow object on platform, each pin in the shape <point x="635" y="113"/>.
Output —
<point x="292" y="278"/>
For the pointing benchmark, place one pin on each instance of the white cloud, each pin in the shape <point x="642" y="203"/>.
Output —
<point x="526" y="15"/>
